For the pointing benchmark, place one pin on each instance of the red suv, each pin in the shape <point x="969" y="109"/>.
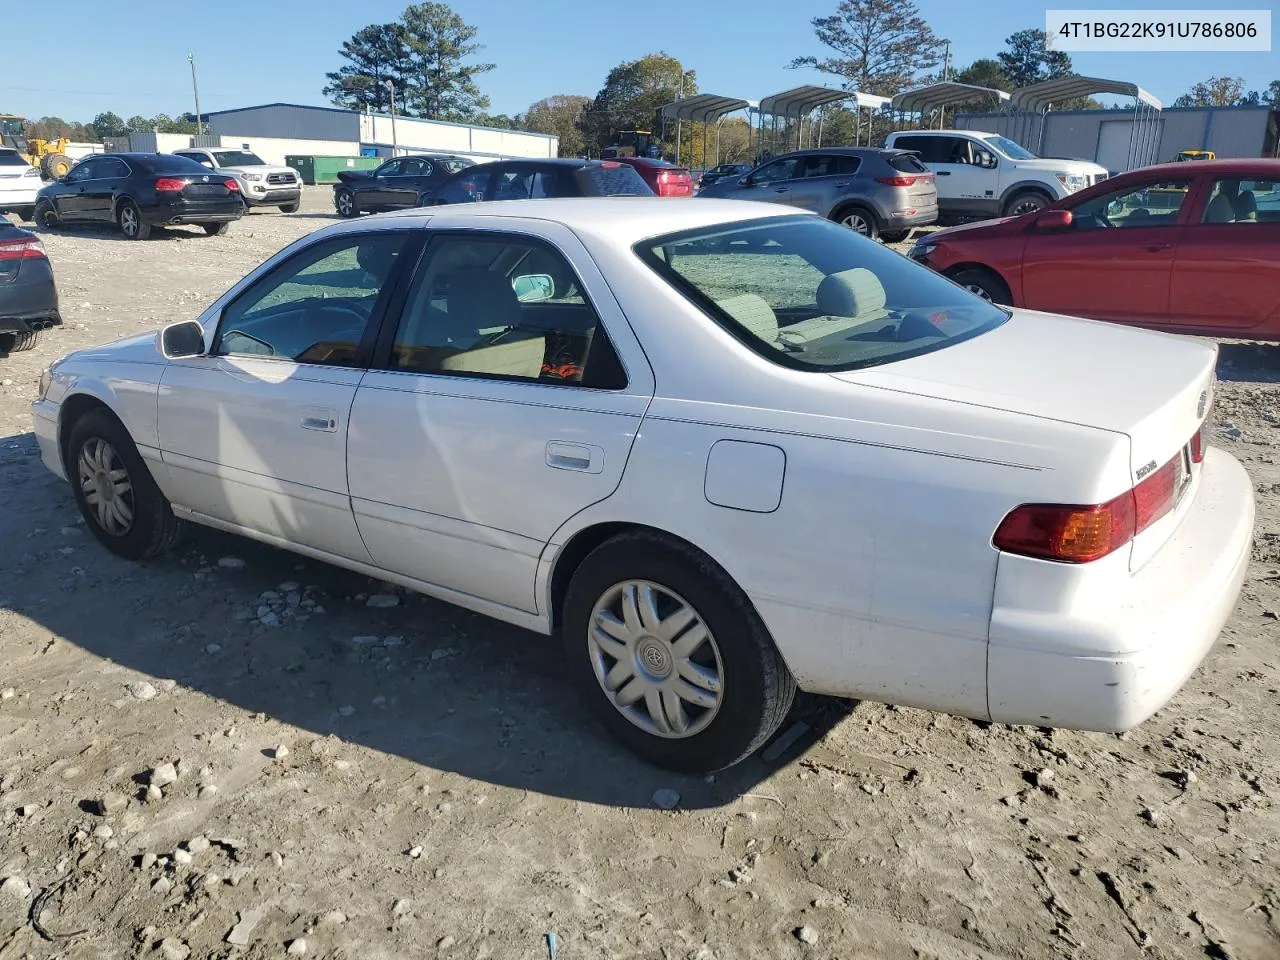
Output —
<point x="1180" y="247"/>
<point x="665" y="179"/>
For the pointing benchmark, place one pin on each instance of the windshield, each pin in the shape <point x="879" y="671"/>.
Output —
<point x="1012" y="150"/>
<point x="239" y="158"/>
<point x="453" y="166"/>
<point x="807" y="293"/>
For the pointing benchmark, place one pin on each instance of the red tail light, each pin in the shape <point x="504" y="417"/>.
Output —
<point x="1082" y="534"/>
<point x="21" y="250"/>
<point x="902" y="181"/>
<point x="232" y="186"/>
<point x="170" y="185"/>
<point x="1197" y="445"/>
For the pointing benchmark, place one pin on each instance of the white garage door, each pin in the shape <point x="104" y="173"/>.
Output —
<point x="1113" y="144"/>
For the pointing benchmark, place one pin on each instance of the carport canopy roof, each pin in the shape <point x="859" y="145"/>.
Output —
<point x="1039" y="96"/>
<point x="704" y="107"/>
<point x="948" y="94"/>
<point x="799" y="101"/>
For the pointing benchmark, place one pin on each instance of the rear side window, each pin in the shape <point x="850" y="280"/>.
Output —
<point x="612" y="180"/>
<point x="831" y="165"/>
<point x="10" y="158"/>
<point x="934" y="149"/>
<point x="906" y="163"/>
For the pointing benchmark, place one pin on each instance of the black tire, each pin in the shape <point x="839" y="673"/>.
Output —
<point x="345" y="201"/>
<point x="129" y="219"/>
<point x="894" y="236"/>
<point x="7" y="341"/>
<point x="46" y="216"/>
<point x="217" y="229"/>
<point x="985" y="283"/>
<point x="153" y="529"/>
<point x="289" y="207"/>
<point x="1026" y="201"/>
<point x="756" y="687"/>
<point x="26" y="213"/>
<point x="858" y="219"/>
<point x="22" y="341"/>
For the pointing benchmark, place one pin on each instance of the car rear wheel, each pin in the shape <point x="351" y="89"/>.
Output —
<point x="26" y="213"/>
<point x="985" y="284"/>
<point x="860" y="220"/>
<point x="130" y="220"/>
<point x="894" y="236"/>
<point x="46" y="215"/>
<point x="1028" y="201"/>
<point x="346" y="204"/>
<point x="289" y="208"/>
<point x="671" y="656"/>
<point x="217" y="229"/>
<point x="115" y="491"/>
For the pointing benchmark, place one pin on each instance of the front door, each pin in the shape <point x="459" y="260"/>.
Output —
<point x="377" y="194"/>
<point x="402" y="190"/>
<point x="254" y="433"/>
<point x="501" y="407"/>
<point x="1115" y="262"/>
<point x="772" y="182"/>
<point x="1225" y="273"/>
<point x="71" y="200"/>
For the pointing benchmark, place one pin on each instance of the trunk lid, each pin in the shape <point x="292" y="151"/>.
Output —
<point x="1156" y="388"/>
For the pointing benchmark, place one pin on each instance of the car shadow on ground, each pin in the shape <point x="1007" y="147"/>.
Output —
<point x="425" y="680"/>
<point x="1249" y="362"/>
<point x="111" y="232"/>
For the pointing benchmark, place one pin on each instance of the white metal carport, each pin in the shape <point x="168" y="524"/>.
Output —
<point x="797" y="103"/>
<point x="705" y="108"/>
<point x="1032" y="105"/>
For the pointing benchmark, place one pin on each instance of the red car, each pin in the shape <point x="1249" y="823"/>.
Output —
<point x="1181" y="247"/>
<point x="665" y="179"/>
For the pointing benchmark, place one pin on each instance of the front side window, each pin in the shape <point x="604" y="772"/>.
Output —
<point x="314" y="307"/>
<point x="507" y="307"/>
<point x="1243" y="201"/>
<point x="513" y="185"/>
<point x="1149" y="205"/>
<point x="389" y="169"/>
<point x="417" y="167"/>
<point x="784" y="169"/>
<point x="810" y="294"/>
<point x="85" y="170"/>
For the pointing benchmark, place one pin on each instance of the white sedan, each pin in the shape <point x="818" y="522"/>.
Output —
<point x="725" y="451"/>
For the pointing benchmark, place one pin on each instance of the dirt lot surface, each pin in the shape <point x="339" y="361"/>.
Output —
<point x="365" y="781"/>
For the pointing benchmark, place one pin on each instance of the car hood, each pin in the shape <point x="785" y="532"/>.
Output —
<point x="258" y="168"/>
<point x="1120" y="379"/>
<point x="351" y="176"/>
<point x="1071" y="167"/>
<point x="948" y="232"/>
<point x="137" y="348"/>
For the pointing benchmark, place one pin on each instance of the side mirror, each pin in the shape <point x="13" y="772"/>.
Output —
<point x="1050" y="220"/>
<point x="533" y="287"/>
<point x="178" y="341"/>
<point x="746" y="181"/>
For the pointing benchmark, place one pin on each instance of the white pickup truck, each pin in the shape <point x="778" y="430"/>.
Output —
<point x="983" y="175"/>
<point x="261" y="183"/>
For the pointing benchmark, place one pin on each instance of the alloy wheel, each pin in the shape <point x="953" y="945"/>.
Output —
<point x="655" y="659"/>
<point x="344" y="204"/>
<point x="857" y="223"/>
<point x="129" y="222"/>
<point x="980" y="290"/>
<point x="1028" y="205"/>
<point x="106" y="486"/>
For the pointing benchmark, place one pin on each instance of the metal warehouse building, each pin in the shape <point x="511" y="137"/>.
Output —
<point x="1103" y="135"/>
<point x="276" y="130"/>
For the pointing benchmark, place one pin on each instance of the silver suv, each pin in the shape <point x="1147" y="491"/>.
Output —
<point x="261" y="184"/>
<point x="881" y="194"/>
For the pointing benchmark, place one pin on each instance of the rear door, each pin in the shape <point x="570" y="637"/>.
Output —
<point x="824" y="179"/>
<point x="1226" y="272"/>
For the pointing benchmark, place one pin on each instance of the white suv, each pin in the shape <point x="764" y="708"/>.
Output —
<point x="261" y="183"/>
<point x="983" y="175"/>
<point x="19" y="184"/>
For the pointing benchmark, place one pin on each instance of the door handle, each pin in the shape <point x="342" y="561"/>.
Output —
<point x="842" y="184"/>
<point x="580" y="457"/>
<point x="781" y="189"/>
<point x="320" y="418"/>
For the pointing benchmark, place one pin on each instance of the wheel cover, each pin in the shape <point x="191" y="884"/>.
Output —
<point x="1027" y="205"/>
<point x="129" y="221"/>
<point x="856" y="222"/>
<point x="656" y="659"/>
<point x="106" y="485"/>
<point x="980" y="290"/>
<point x="344" y="203"/>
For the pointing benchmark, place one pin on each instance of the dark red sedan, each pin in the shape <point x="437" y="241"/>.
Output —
<point x="665" y="179"/>
<point x="1185" y="248"/>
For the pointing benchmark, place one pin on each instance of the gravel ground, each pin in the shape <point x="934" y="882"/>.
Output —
<point x="232" y="752"/>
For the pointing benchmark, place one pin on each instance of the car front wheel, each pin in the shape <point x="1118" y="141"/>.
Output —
<point x="115" y="491"/>
<point x="46" y="215"/>
<point x="985" y="284"/>
<point x="671" y="656"/>
<point x="345" y="201"/>
<point x="1024" y="203"/>
<point x="289" y="208"/>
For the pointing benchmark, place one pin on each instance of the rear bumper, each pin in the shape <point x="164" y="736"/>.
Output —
<point x="18" y="199"/>
<point x="30" y="301"/>
<point x="1115" y="647"/>
<point x="194" y="211"/>
<point x="923" y="217"/>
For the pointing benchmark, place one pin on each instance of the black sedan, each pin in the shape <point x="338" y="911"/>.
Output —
<point x="535" y="179"/>
<point x="394" y="185"/>
<point x="28" y="295"/>
<point x="721" y="171"/>
<point x="138" y="191"/>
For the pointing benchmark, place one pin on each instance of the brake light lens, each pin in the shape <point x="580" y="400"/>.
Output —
<point x="1082" y="534"/>
<point x="232" y="186"/>
<point x="1197" y="445"/>
<point x="170" y="185"/>
<point x="23" y="249"/>
<point x="902" y="181"/>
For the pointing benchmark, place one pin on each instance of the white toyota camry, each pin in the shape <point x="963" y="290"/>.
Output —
<point x="724" y="451"/>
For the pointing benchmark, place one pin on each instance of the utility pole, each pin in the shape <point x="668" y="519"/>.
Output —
<point x="395" y="145"/>
<point x="946" y="62"/>
<point x="679" y="97"/>
<point x="191" y="59"/>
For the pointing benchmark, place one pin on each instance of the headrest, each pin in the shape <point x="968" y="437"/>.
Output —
<point x="851" y="293"/>
<point x="754" y="313"/>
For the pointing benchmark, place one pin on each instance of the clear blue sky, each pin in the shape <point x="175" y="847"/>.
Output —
<point x="135" y="63"/>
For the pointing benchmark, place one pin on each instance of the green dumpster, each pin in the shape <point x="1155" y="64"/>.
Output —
<point x="323" y="169"/>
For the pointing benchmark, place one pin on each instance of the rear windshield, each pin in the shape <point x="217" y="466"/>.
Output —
<point x="907" y="163"/>
<point x="612" y="180"/>
<point x="167" y="163"/>
<point x="807" y="293"/>
<point x="11" y="158"/>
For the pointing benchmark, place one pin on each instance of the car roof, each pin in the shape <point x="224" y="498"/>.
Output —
<point x="1237" y="165"/>
<point x="616" y="221"/>
<point x="844" y="151"/>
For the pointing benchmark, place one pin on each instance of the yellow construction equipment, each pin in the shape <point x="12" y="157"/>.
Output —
<point x="1190" y="155"/>
<point x="50" y="156"/>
